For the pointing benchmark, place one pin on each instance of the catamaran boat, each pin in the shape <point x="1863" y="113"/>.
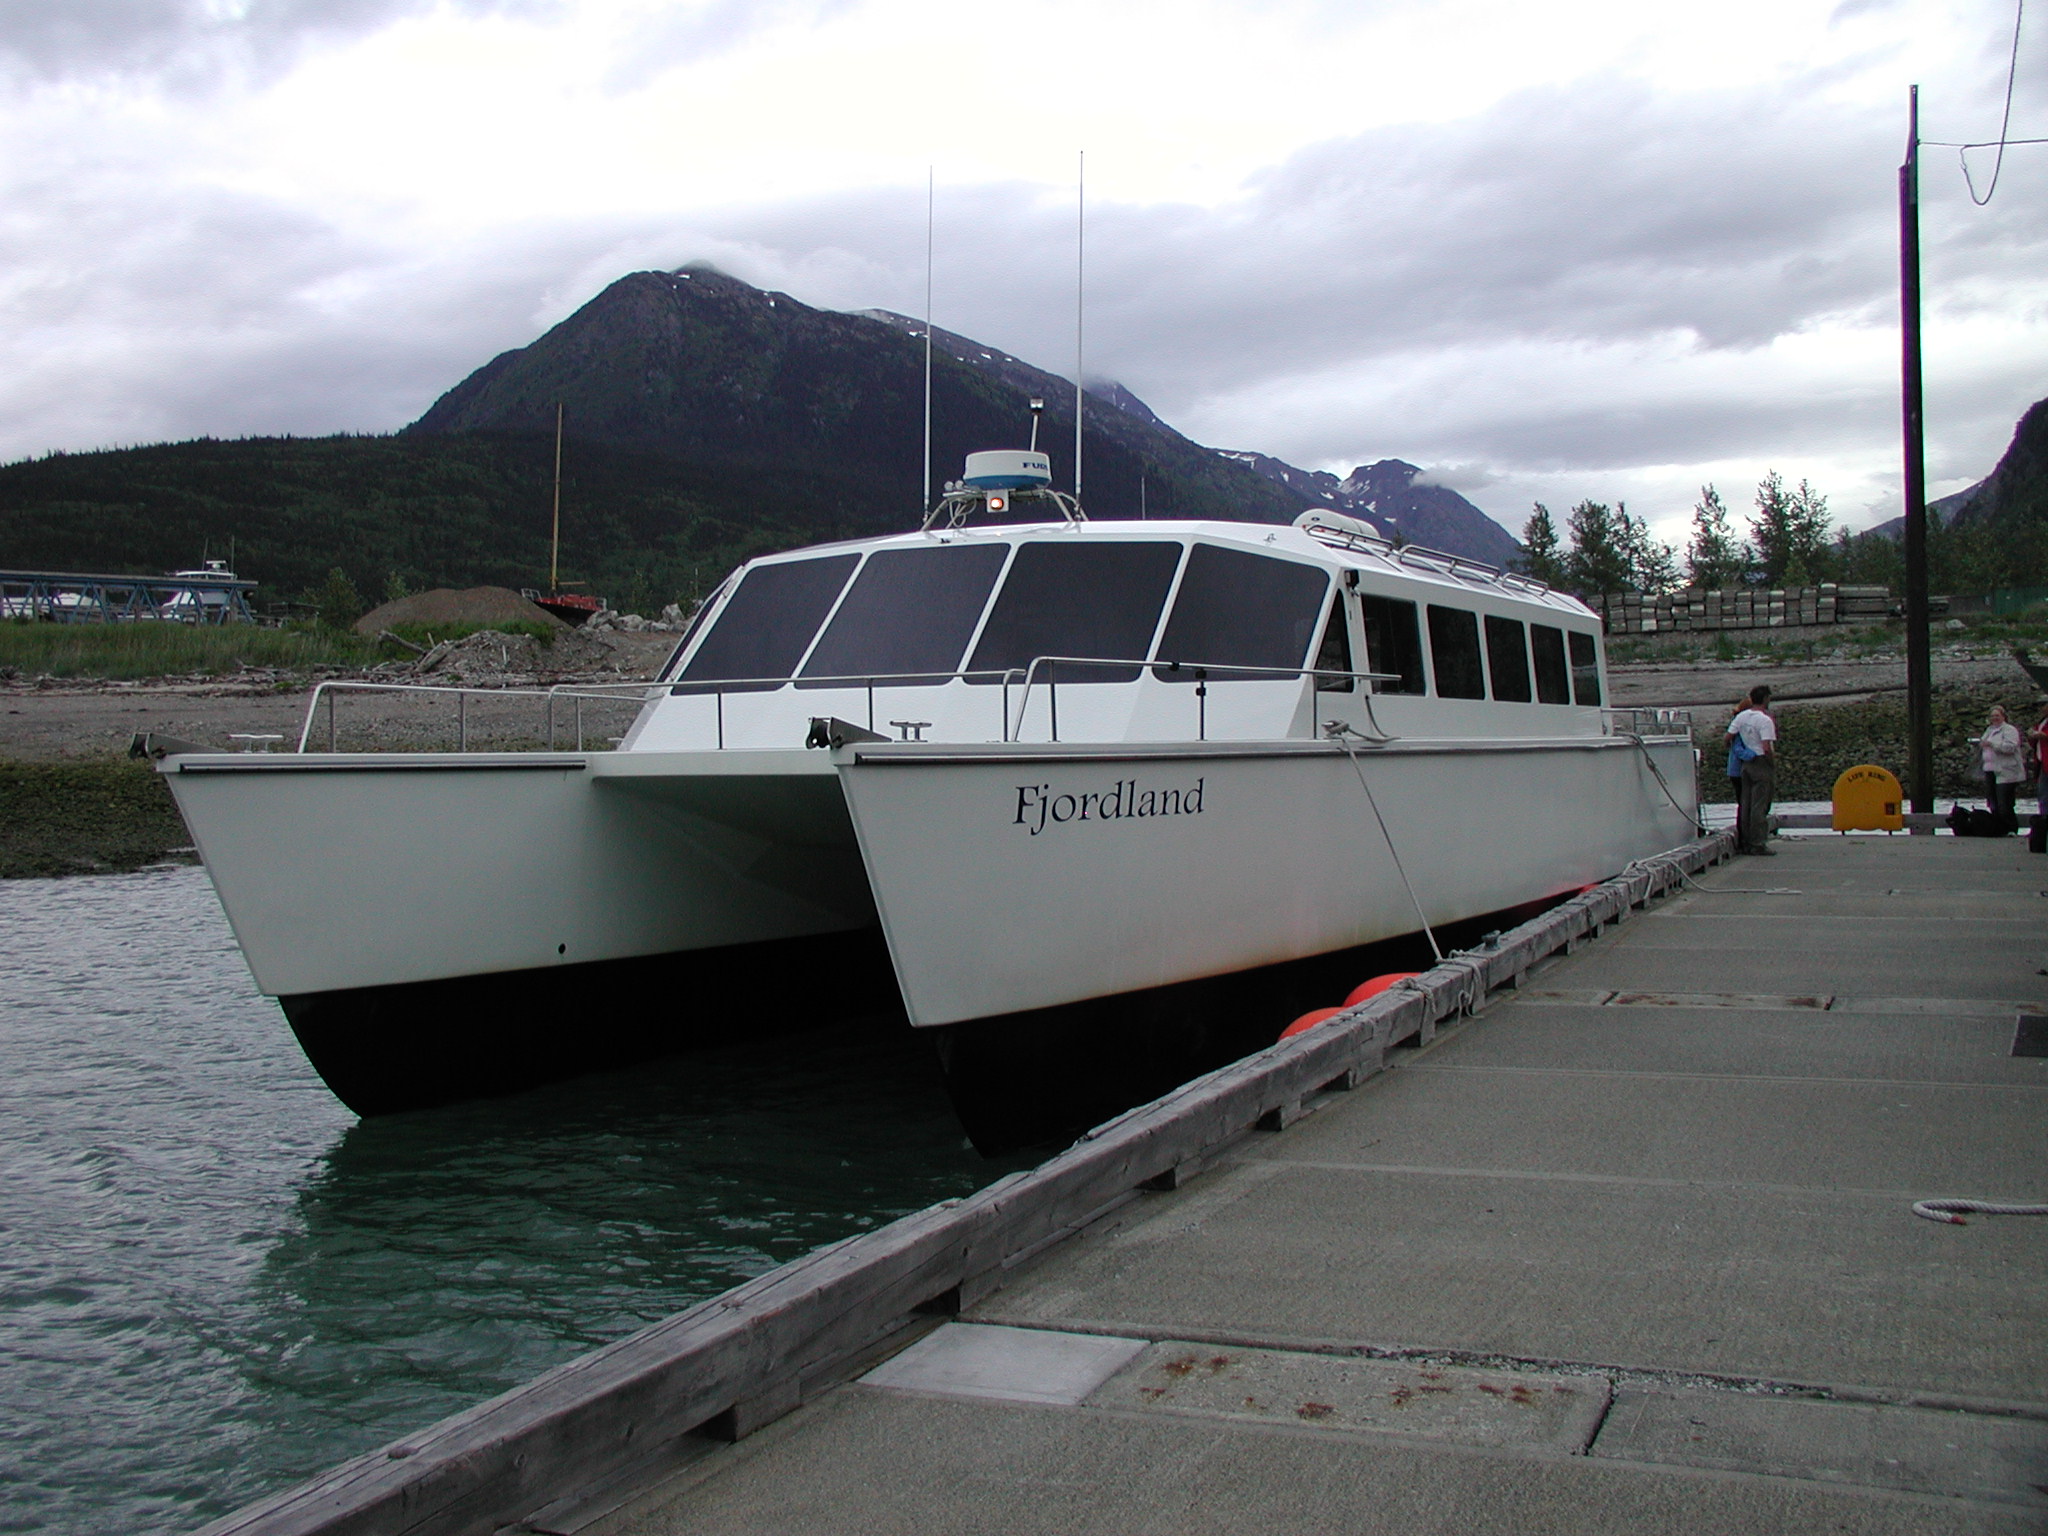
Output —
<point x="1044" y="780"/>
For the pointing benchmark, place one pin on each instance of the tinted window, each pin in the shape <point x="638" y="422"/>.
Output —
<point x="1333" y="656"/>
<point x="1238" y="609"/>
<point x="1553" y="677"/>
<point x="696" y="623"/>
<point x="909" y="610"/>
<point x="1454" y="645"/>
<point x="1075" y="599"/>
<point x="1585" y="668"/>
<point x="770" y="620"/>
<point x="1393" y="643"/>
<point x="1507" y="659"/>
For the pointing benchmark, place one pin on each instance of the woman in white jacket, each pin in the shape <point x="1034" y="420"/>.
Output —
<point x="2004" y="767"/>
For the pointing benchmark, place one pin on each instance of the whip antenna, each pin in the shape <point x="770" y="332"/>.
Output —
<point x="930" y="182"/>
<point x="1080" y="277"/>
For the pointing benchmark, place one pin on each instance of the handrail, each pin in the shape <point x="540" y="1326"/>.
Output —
<point x="329" y="687"/>
<point x="1439" y="560"/>
<point x="1646" y="720"/>
<point x="1201" y="669"/>
<point x="681" y="685"/>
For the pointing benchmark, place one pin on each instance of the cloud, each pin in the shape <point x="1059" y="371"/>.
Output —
<point x="1463" y="478"/>
<point x="684" y="34"/>
<point x="1595" y="286"/>
<point x="187" y="42"/>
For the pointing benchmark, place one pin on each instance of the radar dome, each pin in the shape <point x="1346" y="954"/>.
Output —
<point x="1008" y="469"/>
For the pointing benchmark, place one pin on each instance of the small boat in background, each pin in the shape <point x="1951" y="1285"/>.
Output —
<point x="569" y="607"/>
<point x="572" y="608"/>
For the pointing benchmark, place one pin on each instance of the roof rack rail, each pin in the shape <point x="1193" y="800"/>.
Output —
<point x="1422" y="555"/>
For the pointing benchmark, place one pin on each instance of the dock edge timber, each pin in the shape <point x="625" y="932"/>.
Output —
<point x="728" y="1366"/>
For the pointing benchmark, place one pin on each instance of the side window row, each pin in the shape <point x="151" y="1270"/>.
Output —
<point x="1565" y="663"/>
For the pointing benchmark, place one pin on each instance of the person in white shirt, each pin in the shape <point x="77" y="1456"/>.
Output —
<point x="1753" y="735"/>
<point x="2004" y="767"/>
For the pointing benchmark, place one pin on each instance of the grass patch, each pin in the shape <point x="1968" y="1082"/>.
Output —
<point x="153" y="648"/>
<point x="85" y="818"/>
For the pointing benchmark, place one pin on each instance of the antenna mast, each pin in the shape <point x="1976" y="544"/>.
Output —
<point x="555" y="539"/>
<point x="1080" y="276"/>
<point x="930" y="183"/>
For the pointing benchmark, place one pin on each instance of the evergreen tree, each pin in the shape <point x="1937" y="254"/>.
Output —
<point x="1541" y="556"/>
<point x="1790" y="531"/>
<point x="1652" y="565"/>
<point x="1598" y="560"/>
<point x="1715" y="558"/>
<point x="339" y="602"/>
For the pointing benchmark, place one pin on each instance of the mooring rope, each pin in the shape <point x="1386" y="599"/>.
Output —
<point x="1337" y="730"/>
<point x="1946" y="1210"/>
<point x="1693" y="815"/>
<point x="1714" y="890"/>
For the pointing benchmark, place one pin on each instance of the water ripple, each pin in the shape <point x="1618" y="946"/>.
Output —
<point x="214" y="1281"/>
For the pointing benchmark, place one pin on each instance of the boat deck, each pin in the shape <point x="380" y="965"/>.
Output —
<point x="1631" y="1250"/>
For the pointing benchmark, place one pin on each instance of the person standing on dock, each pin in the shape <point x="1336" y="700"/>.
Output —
<point x="1753" y="739"/>
<point x="2003" y="768"/>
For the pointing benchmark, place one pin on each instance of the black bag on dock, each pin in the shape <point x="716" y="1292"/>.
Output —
<point x="1974" y="821"/>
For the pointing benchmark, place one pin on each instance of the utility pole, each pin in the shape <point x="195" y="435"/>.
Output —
<point x="1919" y="665"/>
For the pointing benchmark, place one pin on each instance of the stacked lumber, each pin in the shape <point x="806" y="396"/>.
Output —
<point x="1636" y="613"/>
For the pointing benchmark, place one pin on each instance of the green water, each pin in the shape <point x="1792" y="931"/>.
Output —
<point x="214" y="1281"/>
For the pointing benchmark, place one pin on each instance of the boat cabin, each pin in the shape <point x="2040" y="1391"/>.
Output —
<point x="1127" y="632"/>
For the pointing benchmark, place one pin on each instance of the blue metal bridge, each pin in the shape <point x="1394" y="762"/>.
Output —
<point x="212" y="595"/>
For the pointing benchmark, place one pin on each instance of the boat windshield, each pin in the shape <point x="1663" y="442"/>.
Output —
<point x="1077" y="599"/>
<point x="1236" y="609"/>
<point x="768" y="622"/>
<point x="909" y="611"/>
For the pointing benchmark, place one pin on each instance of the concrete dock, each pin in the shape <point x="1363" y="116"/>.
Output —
<point x="1629" y="1250"/>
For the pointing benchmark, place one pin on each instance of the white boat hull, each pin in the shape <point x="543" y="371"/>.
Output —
<point x="1003" y="887"/>
<point x="370" y="870"/>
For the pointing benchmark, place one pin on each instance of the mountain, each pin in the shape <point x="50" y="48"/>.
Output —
<point x="704" y="367"/>
<point x="1386" y="495"/>
<point x="711" y="371"/>
<point x="2016" y="490"/>
<point x="2017" y="487"/>
<point x="638" y="528"/>
<point x="706" y="421"/>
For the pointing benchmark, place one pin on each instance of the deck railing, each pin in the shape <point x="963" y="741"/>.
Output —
<point x="1042" y="672"/>
<point x="326" y="692"/>
<point x="1645" y="720"/>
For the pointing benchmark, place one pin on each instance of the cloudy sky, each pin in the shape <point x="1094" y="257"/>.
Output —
<point x="1591" y="248"/>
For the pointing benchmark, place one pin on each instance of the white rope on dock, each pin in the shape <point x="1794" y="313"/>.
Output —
<point x="1945" y="1210"/>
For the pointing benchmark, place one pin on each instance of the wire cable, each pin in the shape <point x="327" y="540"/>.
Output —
<point x="2004" y="123"/>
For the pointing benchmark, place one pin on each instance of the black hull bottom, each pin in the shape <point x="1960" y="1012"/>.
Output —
<point x="1041" y="1078"/>
<point x="1018" y="1081"/>
<point x="383" y="1050"/>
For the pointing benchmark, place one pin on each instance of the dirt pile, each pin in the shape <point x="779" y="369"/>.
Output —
<point x="444" y="605"/>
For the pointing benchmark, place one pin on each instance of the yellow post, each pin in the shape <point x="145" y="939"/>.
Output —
<point x="1867" y="799"/>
